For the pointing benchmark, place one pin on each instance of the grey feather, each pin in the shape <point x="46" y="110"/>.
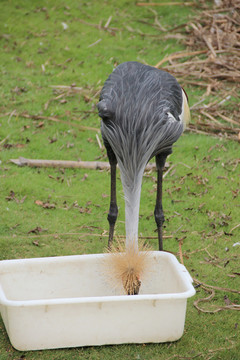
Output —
<point x="134" y="105"/>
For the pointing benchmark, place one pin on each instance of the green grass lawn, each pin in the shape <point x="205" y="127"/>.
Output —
<point x="47" y="44"/>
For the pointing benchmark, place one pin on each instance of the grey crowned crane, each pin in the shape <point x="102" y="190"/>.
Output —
<point x="144" y="111"/>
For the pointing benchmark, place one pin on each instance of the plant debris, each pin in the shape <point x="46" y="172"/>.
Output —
<point x="211" y="290"/>
<point x="12" y="197"/>
<point x="45" y="205"/>
<point x="213" y="63"/>
<point x="94" y="165"/>
<point x="36" y="230"/>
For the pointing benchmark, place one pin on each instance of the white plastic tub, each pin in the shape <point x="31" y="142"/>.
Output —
<point x="58" y="302"/>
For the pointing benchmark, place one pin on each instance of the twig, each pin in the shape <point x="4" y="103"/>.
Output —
<point x="179" y="56"/>
<point x="185" y="3"/>
<point x="186" y="63"/>
<point x="209" y="45"/>
<point x="197" y="103"/>
<point x="97" y="26"/>
<point x="180" y="252"/>
<point x="215" y="128"/>
<point x="3" y="140"/>
<point x="209" y="298"/>
<point x="67" y="87"/>
<point x="235" y="227"/>
<point x="193" y="128"/>
<point x="173" y="166"/>
<point x="210" y="117"/>
<point x="11" y="115"/>
<point x="98" y="141"/>
<point x="215" y="287"/>
<point x="95" y="43"/>
<point x="156" y="20"/>
<point x="198" y="250"/>
<point x="168" y="171"/>
<point x="226" y="118"/>
<point x="197" y="83"/>
<point x="187" y="166"/>
<point x="108" y="22"/>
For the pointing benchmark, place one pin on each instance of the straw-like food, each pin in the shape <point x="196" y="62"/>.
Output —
<point x="125" y="268"/>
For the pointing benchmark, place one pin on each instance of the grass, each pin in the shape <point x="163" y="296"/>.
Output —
<point x="200" y="193"/>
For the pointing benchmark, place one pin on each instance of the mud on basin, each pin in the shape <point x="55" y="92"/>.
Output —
<point x="59" y="302"/>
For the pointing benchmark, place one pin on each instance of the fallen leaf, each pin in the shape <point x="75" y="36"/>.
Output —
<point x="7" y="146"/>
<point x="25" y="127"/>
<point x="11" y="196"/>
<point x="52" y="140"/>
<point x="20" y="146"/>
<point x="84" y="177"/>
<point x="227" y="301"/>
<point x="6" y="36"/>
<point x="235" y="192"/>
<point x="85" y="210"/>
<point x="236" y="273"/>
<point x="87" y="99"/>
<point x="70" y="145"/>
<point x="45" y="205"/>
<point x="29" y="64"/>
<point x="49" y="206"/>
<point x="36" y="230"/>
<point x="40" y="124"/>
<point x="23" y="199"/>
<point x="19" y="90"/>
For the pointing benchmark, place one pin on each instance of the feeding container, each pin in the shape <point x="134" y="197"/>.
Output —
<point x="59" y="302"/>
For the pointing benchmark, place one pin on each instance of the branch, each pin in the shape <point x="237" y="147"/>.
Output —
<point x="93" y="165"/>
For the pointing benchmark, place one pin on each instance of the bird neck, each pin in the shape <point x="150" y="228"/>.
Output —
<point x="132" y="204"/>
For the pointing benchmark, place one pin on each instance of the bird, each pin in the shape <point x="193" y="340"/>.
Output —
<point x="143" y="112"/>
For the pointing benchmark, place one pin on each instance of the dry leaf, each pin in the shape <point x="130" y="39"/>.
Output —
<point x="45" y="205"/>
<point x="36" y="243"/>
<point x="84" y="177"/>
<point x="40" y="124"/>
<point x="36" y="230"/>
<point x="12" y="197"/>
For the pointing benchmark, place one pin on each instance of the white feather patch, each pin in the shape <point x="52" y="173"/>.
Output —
<point x="171" y="117"/>
<point x="185" y="116"/>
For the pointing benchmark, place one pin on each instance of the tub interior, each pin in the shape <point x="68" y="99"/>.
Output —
<point x="77" y="277"/>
